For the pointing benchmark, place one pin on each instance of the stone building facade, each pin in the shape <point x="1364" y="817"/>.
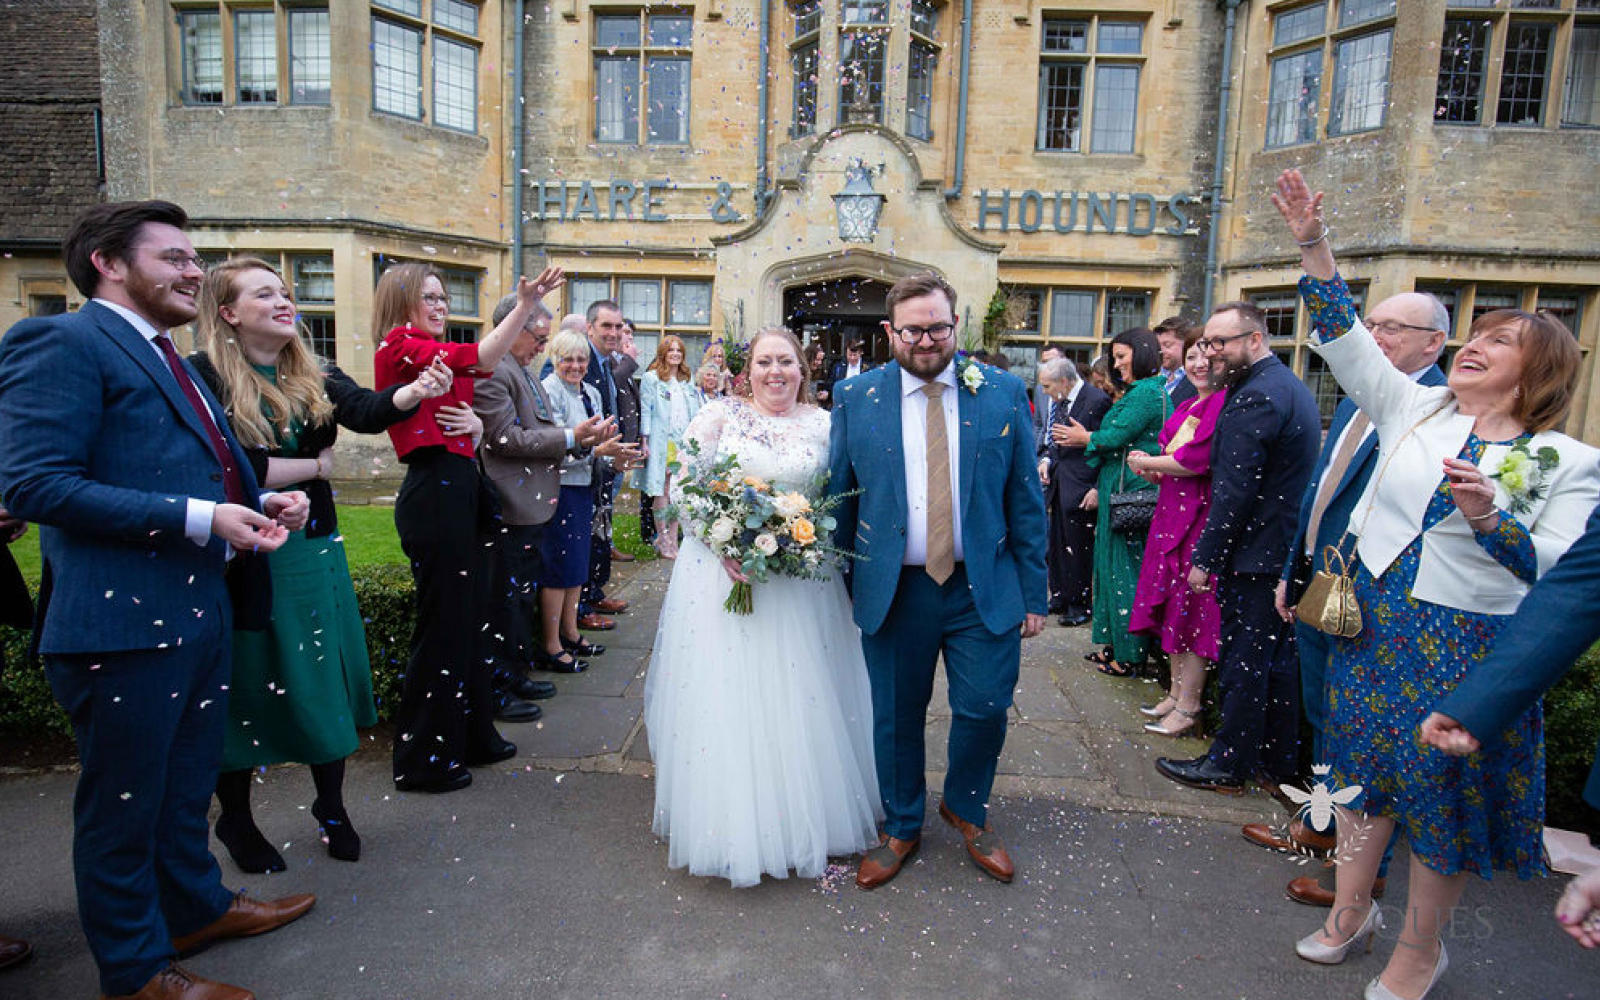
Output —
<point x="1059" y="162"/>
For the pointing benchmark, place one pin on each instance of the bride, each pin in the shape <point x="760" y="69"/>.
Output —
<point x="760" y="725"/>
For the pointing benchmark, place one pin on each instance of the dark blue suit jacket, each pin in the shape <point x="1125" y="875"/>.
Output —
<point x="1002" y="508"/>
<point x="1297" y="569"/>
<point x="1261" y="456"/>
<point x="1553" y="626"/>
<point x="100" y="447"/>
<point x="1070" y="475"/>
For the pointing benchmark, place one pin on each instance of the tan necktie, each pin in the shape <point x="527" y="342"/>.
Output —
<point x="941" y="561"/>
<point x="1331" y="477"/>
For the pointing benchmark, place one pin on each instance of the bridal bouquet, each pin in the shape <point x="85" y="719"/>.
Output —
<point x="750" y="520"/>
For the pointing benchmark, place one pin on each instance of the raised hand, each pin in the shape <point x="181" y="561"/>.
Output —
<point x="550" y="279"/>
<point x="1302" y="213"/>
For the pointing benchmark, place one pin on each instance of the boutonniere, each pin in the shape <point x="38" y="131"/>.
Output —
<point x="969" y="374"/>
<point x="1525" y="475"/>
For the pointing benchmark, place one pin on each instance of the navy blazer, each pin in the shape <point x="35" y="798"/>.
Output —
<point x="100" y="447"/>
<point x="1297" y="567"/>
<point x="1002" y="507"/>
<point x="1071" y="477"/>
<point x="1262" y="453"/>
<point x="1555" y="623"/>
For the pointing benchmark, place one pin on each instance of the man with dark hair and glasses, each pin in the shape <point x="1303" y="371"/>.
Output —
<point x="951" y="529"/>
<point x="114" y="446"/>
<point x="1262" y="453"/>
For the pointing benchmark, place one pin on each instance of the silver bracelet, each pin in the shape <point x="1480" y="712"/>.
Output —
<point x="1482" y="517"/>
<point x="1319" y="239"/>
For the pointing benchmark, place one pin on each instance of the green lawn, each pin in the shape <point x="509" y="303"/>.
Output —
<point x="369" y="539"/>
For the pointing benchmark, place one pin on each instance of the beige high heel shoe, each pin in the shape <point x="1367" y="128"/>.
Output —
<point x="1313" y="950"/>
<point x="1377" y="991"/>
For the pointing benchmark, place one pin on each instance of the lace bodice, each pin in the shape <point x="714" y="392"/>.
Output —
<point x="791" y="452"/>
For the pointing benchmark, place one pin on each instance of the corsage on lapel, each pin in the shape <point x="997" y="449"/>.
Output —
<point x="969" y="374"/>
<point x="1524" y="475"/>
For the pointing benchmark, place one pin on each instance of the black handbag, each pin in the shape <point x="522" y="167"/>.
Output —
<point x="1131" y="510"/>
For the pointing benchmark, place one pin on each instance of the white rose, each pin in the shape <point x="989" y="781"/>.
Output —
<point x="766" y="544"/>
<point x="790" y="505"/>
<point x="722" y="529"/>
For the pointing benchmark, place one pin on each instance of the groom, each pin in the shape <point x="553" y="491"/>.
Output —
<point x="950" y="528"/>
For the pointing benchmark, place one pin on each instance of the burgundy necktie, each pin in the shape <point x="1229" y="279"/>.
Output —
<point x="232" y="482"/>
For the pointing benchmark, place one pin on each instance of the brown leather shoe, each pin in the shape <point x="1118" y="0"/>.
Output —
<point x="595" y="623"/>
<point x="1312" y="892"/>
<point x="177" y="983"/>
<point x="13" y="951"/>
<point x="617" y="555"/>
<point x="245" y="918"/>
<point x="984" y="845"/>
<point x="611" y="605"/>
<point x="1299" y="838"/>
<point x="884" y="862"/>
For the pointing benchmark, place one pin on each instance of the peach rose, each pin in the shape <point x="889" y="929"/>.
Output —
<point x="803" y="531"/>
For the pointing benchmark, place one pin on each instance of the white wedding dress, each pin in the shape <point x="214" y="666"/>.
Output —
<point x="760" y="725"/>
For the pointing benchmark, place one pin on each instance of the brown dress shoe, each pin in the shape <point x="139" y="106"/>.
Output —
<point x="1312" y="892"/>
<point x="177" y="983"/>
<point x="1264" y="835"/>
<point x="13" y="951"/>
<point x="595" y="623"/>
<point x="617" y="555"/>
<point x="1299" y="839"/>
<point x="884" y="862"/>
<point x="245" y="918"/>
<point x="610" y="606"/>
<point x="984" y="845"/>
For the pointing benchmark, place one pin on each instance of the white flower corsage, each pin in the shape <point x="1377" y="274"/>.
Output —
<point x="1524" y="475"/>
<point x="969" y="374"/>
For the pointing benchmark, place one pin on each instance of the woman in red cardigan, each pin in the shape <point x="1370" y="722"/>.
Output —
<point x="445" y="723"/>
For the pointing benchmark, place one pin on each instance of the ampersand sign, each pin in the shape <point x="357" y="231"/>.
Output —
<point x="721" y="210"/>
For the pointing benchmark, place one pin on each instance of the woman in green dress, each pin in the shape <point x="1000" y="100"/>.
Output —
<point x="1132" y="424"/>
<point x="302" y="686"/>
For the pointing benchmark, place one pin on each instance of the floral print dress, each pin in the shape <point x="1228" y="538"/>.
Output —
<point x="1473" y="813"/>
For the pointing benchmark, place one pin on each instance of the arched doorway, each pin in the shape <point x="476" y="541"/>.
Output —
<point x="837" y="312"/>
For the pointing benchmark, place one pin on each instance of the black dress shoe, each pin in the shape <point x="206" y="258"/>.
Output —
<point x="528" y="689"/>
<point x="559" y="663"/>
<point x="504" y="750"/>
<point x="452" y="781"/>
<point x="1072" y="619"/>
<point x="1200" y="773"/>
<point x="581" y="646"/>
<point x="509" y="708"/>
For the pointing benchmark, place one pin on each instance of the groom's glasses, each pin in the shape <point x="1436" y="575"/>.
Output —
<point x="912" y="334"/>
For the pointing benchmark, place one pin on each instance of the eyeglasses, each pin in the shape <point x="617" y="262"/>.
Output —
<point x="911" y="334"/>
<point x="435" y="299"/>
<point x="1212" y="344"/>
<point x="1392" y="326"/>
<point x="178" y="259"/>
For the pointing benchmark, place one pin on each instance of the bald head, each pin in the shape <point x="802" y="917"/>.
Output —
<point x="575" y="323"/>
<point x="1410" y="329"/>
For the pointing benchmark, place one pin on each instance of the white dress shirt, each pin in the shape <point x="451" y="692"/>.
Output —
<point x="914" y="435"/>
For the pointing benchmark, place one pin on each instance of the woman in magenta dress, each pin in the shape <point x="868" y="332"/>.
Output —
<point x="1187" y="623"/>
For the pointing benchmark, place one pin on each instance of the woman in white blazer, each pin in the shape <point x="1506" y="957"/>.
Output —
<point x="668" y="400"/>
<point x="1475" y="496"/>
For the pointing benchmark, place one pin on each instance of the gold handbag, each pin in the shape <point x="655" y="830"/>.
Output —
<point x="1329" y="602"/>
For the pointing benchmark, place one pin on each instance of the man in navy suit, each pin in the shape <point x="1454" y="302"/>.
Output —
<point x="1411" y="329"/>
<point x="1555" y="623"/>
<point x="950" y="527"/>
<point x="854" y="362"/>
<point x="1067" y="481"/>
<point x="1261" y="458"/>
<point x="113" y="445"/>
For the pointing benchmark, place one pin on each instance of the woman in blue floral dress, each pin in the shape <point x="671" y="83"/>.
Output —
<point x="1474" y="497"/>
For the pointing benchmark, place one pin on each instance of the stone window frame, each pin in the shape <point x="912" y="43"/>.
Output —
<point x="1498" y="21"/>
<point x="1042" y="326"/>
<point x="1294" y="36"/>
<point x="820" y="27"/>
<point x="805" y="65"/>
<point x="647" y="333"/>
<point x="1090" y="60"/>
<point x="435" y="33"/>
<point x="230" y="60"/>
<point x="645" y="54"/>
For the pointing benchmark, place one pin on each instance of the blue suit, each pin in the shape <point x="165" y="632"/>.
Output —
<point x="1553" y="626"/>
<point x="974" y="618"/>
<point x="100" y="447"/>
<point x="1315" y="649"/>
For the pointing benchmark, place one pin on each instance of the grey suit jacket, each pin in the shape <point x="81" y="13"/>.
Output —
<point x="523" y="443"/>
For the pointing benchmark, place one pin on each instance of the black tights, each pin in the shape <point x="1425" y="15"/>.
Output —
<point x="233" y="792"/>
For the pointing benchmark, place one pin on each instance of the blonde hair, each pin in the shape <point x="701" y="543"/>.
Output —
<point x="665" y="371"/>
<point x="566" y="344"/>
<point x="259" y="410"/>
<point x="783" y="334"/>
<point x="398" y="295"/>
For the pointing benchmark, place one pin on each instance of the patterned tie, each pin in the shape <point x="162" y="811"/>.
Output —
<point x="232" y="482"/>
<point x="941" y="561"/>
<point x="1337" y="467"/>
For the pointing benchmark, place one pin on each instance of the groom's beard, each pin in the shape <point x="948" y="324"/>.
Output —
<point x="926" y="362"/>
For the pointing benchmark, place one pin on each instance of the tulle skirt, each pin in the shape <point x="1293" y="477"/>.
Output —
<point x="760" y="726"/>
